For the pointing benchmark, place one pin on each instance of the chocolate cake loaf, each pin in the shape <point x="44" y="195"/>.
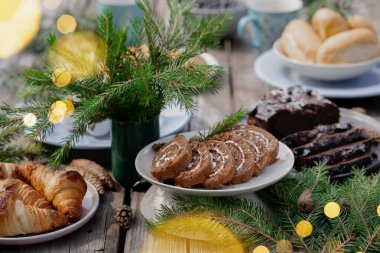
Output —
<point x="171" y="159"/>
<point x="286" y="111"/>
<point x="222" y="165"/>
<point x="199" y="167"/>
<point x="243" y="154"/>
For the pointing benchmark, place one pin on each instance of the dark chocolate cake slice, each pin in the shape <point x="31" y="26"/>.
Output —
<point x="324" y="142"/>
<point x="340" y="146"/>
<point x="336" y="155"/>
<point x="306" y="136"/>
<point x="285" y="111"/>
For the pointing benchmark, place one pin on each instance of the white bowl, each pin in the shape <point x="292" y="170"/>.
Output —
<point x="325" y="72"/>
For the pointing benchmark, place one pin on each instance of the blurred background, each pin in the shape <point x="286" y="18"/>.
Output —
<point x="24" y="25"/>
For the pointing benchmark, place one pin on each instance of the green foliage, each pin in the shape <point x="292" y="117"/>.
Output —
<point x="342" y="6"/>
<point x="355" y="229"/>
<point x="132" y="83"/>
<point x="224" y="125"/>
<point x="13" y="150"/>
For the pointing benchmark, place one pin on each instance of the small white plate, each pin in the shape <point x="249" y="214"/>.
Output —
<point x="271" y="175"/>
<point x="271" y="70"/>
<point x="172" y="120"/>
<point x="324" y="72"/>
<point x="90" y="204"/>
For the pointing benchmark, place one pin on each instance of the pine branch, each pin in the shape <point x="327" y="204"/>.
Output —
<point x="251" y="223"/>
<point x="224" y="125"/>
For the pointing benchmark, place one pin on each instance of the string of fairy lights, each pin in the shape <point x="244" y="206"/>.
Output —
<point x="304" y="229"/>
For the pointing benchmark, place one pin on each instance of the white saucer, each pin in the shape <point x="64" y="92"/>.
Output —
<point x="172" y="120"/>
<point x="271" y="174"/>
<point x="90" y="204"/>
<point x="271" y="70"/>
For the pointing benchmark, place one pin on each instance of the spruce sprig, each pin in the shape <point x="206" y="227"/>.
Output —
<point x="224" y="125"/>
<point x="356" y="229"/>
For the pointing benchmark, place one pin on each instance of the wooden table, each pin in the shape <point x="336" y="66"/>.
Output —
<point x="241" y="87"/>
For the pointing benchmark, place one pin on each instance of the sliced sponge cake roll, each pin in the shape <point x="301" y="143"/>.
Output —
<point x="199" y="167"/>
<point x="244" y="156"/>
<point x="172" y="159"/>
<point x="222" y="165"/>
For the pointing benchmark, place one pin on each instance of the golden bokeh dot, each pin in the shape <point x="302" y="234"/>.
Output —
<point x="66" y="24"/>
<point x="378" y="210"/>
<point x="61" y="77"/>
<point x="51" y="4"/>
<point x="304" y="229"/>
<point x="284" y="246"/>
<point x="261" y="249"/>
<point x="29" y="119"/>
<point x="59" y="108"/>
<point x="69" y="107"/>
<point x="56" y="118"/>
<point x="19" y="24"/>
<point x="332" y="210"/>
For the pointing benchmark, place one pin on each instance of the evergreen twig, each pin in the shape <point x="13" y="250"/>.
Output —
<point x="224" y="125"/>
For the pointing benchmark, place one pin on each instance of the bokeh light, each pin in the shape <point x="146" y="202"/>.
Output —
<point x="261" y="249"/>
<point x="332" y="210"/>
<point x="69" y="107"/>
<point x="19" y="23"/>
<point x="304" y="228"/>
<point x="29" y="119"/>
<point x="66" y="24"/>
<point x="61" y="77"/>
<point x="51" y="4"/>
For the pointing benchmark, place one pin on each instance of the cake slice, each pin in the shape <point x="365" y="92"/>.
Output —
<point x="243" y="154"/>
<point x="222" y="165"/>
<point x="259" y="135"/>
<point x="172" y="159"/>
<point x="306" y="136"/>
<point x="199" y="167"/>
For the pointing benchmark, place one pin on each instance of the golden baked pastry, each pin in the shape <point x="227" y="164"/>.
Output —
<point x="327" y="22"/>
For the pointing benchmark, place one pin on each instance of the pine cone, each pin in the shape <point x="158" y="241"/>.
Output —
<point x="124" y="216"/>
<point x="305" y="202"/>
<point x="90" y="177"/>
<point x="96" y="169"/>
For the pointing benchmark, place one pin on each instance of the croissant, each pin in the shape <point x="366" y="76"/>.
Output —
<point x="25" y="193"/>
<point x="7" y="170"/>
<point x="17" y="218"/>
<point x="65" y="189"/>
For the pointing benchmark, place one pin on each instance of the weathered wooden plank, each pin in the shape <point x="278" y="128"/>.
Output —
<point x="137" y="235"/>
<point x="101" y="234"/>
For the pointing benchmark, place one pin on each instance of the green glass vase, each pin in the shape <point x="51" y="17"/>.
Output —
<point x="128" y="138"/>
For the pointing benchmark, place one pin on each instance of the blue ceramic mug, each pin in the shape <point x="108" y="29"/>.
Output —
<point x="124" y="11"/>
<point x="267" y="19"/>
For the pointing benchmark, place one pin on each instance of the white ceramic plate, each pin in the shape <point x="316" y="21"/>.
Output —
<point x="172" y="120"/>
<point x="90" y="205"/>
<point x="271" y="70"/>
<point x="271" y="175"/>
<point x="325" y="72"/>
